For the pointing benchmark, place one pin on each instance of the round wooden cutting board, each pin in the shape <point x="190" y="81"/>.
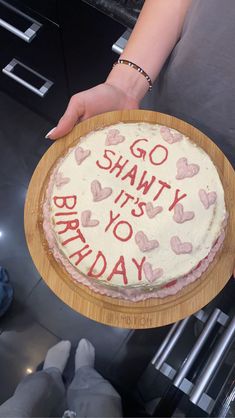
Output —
<point x="116" y="312"/>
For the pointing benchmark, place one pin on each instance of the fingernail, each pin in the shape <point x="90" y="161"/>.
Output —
<point x="50" y="132"/>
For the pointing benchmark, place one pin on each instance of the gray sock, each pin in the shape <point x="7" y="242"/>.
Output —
<point x="85" y="354"/>
<point x="57" y="356"/>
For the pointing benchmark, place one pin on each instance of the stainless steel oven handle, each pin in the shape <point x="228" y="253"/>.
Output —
<point x="29" y="34"/>
<point x="165" y="342"/>
<point x="9" y="71"/>
<point x="172" y="339"/>
<point x="197" y="347"/>
<point x="208" y="373"/>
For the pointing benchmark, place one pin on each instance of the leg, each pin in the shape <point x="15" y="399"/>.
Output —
<point x="42" y="393"/>
<point x="36" y="395"/>
<point x="89" y="394"/>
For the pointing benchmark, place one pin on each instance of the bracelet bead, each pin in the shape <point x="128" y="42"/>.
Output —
<point x="136" y="67"/>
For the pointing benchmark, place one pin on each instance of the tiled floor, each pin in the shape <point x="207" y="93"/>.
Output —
<point x="68" y="324"/>
<point x="23" y="344"/>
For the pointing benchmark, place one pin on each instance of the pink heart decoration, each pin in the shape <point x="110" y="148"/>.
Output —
<point x="170" y="136"/>
<point x="150" y="274"/>
<point x="144" y="243"/>
<point x="98" y="192"/>
<point x="60" y="180"/>
<point x="207" y="199"/>
<point x="86" y="219"/>
<point x="180" y="216"/>
<point x="180" y="247"/>
<point x="81" y="155"/>
<point x="186" y="170"/>
<point x="153" y="211"/>
<point x="114" y="137"/>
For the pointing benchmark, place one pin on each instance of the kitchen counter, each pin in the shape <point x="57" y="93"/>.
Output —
<point x="123" y="11"/>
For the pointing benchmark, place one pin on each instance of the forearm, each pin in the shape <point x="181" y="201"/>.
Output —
<point x="156" y="32"/>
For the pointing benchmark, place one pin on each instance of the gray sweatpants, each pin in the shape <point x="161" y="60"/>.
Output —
<point x="42" y="394"/>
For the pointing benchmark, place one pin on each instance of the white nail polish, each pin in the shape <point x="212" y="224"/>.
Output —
<point x="49" y="133"/>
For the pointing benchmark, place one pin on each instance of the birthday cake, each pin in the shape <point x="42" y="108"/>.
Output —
<point x="134" y="211"/>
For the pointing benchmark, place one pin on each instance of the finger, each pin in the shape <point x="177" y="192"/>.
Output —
<point x="71" y="116"/>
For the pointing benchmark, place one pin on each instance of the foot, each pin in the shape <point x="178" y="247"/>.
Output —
<point x="57" y="356"/>
<point x="85" y="354"/>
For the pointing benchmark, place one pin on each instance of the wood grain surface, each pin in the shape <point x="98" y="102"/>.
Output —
<point x="116" y="312"/>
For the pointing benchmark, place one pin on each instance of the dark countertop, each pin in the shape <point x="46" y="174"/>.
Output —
<point x="123" y="11"/>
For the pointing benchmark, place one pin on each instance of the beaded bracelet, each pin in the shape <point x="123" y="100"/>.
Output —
<point x="136" y="67"/>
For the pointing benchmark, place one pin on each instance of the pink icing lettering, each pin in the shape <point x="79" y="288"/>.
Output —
<point x="169" y="135"/>
<point x="164" y="186"/>
<point x="92" y="272"/>
<point x="81" y="154"/>
<point x="119" y="196"/>
<point x="177" y="198"/>
<point x="78" y="236"/>
<point x="114" y="137"/>
<point x="86" y="219"/>
<point x="112" y="219"/>
<point x="207" y="199"/>
<point x="129" y="232"/>
<point x="141" y="206"/>
<point x="139" y="152"/>
<point x="118" y="166"/>
<point x="132" y="174"/>
<point x="128" y="197"/>
<point x="80" y="254"/>
<point x="139" y="267"/>
<point x="162" y="159"/>
<point x="180" y="216"/>
<point x="69" y="225"/>
<point x="173" y="283"/>
<point x="144" y="243"/>
<point x="145" y="184"/>
<point x="180" y="247"/>
<point x="185" y="170"/>
<point x="121" y="271"/>
<point x="98" y="192"/>
<point x="106" y="156"/>
<point x="65" y="213"/>
<point x="150" y="274"/>
<point x="68" y="202"/>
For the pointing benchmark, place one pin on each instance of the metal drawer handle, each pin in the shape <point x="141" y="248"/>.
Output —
<point x="120" y="44"/>
<point x="8" y="70"/>
<point x="165" y="342"/>
<point x="171" y="339"/>
<point x="197" y="347"/>
<point x="208" y="373"/>
<point x="29" y="33"/>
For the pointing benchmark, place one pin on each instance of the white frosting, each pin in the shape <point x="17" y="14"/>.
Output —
<point x="201" y="231"/>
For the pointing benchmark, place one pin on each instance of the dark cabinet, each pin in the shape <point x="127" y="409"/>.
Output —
<point x="87" y="36"/>
<point x="52" y="49"/>
<point x="31" y="59"/>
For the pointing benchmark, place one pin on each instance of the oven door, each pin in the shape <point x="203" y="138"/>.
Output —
<point x="193" y="370"/>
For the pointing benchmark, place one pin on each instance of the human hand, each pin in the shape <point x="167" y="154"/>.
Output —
<point x="102" y="98"/>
